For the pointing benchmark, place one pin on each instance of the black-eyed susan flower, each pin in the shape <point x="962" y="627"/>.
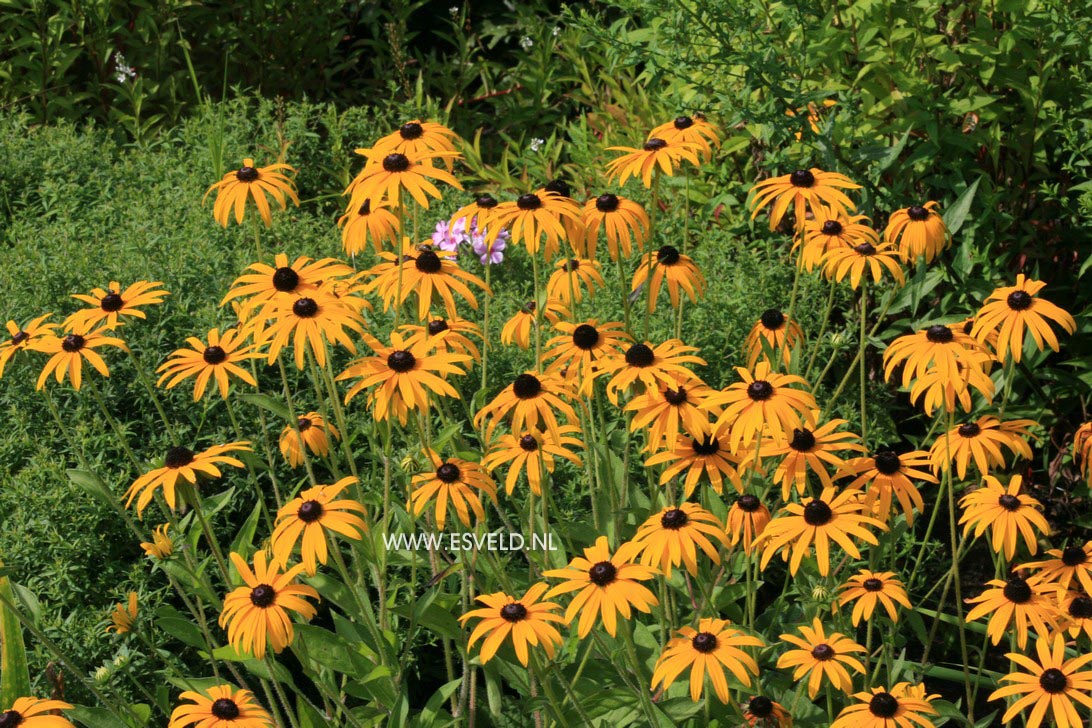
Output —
<point x="824" y="659"/>
<point x="696" y="130"/>
<point x="310" y="323"/>
<point x="1073" y="563"/>
<point x="1076" y="610"/>
<point x="107" y="307"/>
<point x="666" y="411"/>
<point x="764" y="402"/>
<point x="477" y="214"/>
<point x="533" y="452"/>
<point x="278" y="283"/>
<point x="762" y="712"/>
<point x="938" y="390"/>
<point x="609" y="585"/>
<point x="573" y="279"/>
<point x="775" y="334"/>
<point x="580" y="350"/>
<point x="161" y="546"/>
<point x="708" y="454"/>
<point x="310" y="517"/>
<point x="456" y="338"/>
<point x="945" y="349"/>
<point x="181" y="462"/>
<point x="391" y="175"/>
<point x="882" y="709"/>
<point x="401" y="377"/>
<point x="1006" y="513"/>
<point x="368" y="223"/>
<point x="1053" y="684"/>
<point x="254" y="182"/>
<point x="1082" y="449"/>
<point x="888" y="476"/>
<point x="650" y="365"/>
<point x="655" y="154"/>
<point x="918" y="230"/>
<point x="1017" y="603"/>
<point x="832" y="229"/>
<point x="833" y="517"/>
<point x="861" y="260"/>
<point x="534" y="216"/>
<point x="221" y="706"/>
<point x="524" y="620"/>
<point x="452" y="482"/>
<point x="417" y="137"/>
<point x="36" y="713"/>
<point x="517" y="330"/>
<point x="674" y="535"/>
<point x="712" y="649"/>
<point x="625" y="224"/>
<point x="867" y="589"/>
<point x="22" y="337"/>
<point x="432" y="274"/>
<point x="1012" y="311"/>
<point x="531" y="401"/>
<point x="218" y="359"/>
<point x="747" y="519"/>
<point x="678" y="270"/>
<point x="123" y="617"/>
<point x="69" y="352"/>
<point x="982" y="441"/>
<point x="803" y="189"/>
<point x="575" y="229"/>
<point x="313" y="432"/>
<point x="257" y="615"/>
<point x="812" y="451"/>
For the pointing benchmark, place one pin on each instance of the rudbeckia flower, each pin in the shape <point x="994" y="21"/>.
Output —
<point x="269" y="285"/>
<point x="773" y="333"/>
<point x="747" y="519"/>
<point x="1082" y="450"/>
<point x="823" y="659"/>
<point x="918" y="230"/>
<point x="678" y="270"/>
<point x="122" y="618"/>
<point x="862" y="259"/>
<point x="707" y="454"/>
<point x="161" y="546"/>
<point x="624" y="222"/>
<point x="108" y="306"/>
<point x="667" y="411"/>
<point x="310" y="323"/>
<point x="456" y="338"/>
<point x="812" y="450"/>
<point x="181" y="462"/>
<point x="1069" y="564"/>
<point x="936" y="389"/>
<point x="578" y="353"/>
<point x="1006" y="513"/>
<point x="477" y="214"/>
<point x="389" y="175"/>
<point x="882" y="709"/>
<point x="761" y="712"/>
<point x="70" y="351"/>
<point x="368" y="222"/>
<point x="1010" y="311"/>
<point x="654" y="153"/>
<point x="428" y="275"/>
<point x="525" y="621"/>
<point x="1052" y="684"/>
<point x="981" y="441"/>
<point x="308" y="518"/>
<point x="650" y="365"/>
<point x="942" y="348"/>
<point x="888" y="474"/>
<point x="452" y="481"/>
<point x="534" y="216"/>
<point x="219" y="358"/>
<point x="256" y="182"/>
<point x="713" y="648"/>
<point x="868" y="589"/>
<point x="417" y="137"/>
<point x="674" y="535"/>
<point x="221" y="706"/>
<point x="695" y="130"/>
<point x="831" y="517"/>
<point x="1020" y="603"/>
<point x="575" y="229"/>
<point x="23" y="337"/>
<point x="532" y="401"/>
<point x="803" y="189"/>
<point x="517" y="330"/>
<point x="764" y="402"/>
<point x="532" y="452"/>
<point x="1076" y="608"/>
<point x="571" y="277"/>
<point x="313" y="434"/>
<point x="36" y="713"/>
<point x="832" y="229"/>
<point x="609" y="585"/>
<point x="257" y="615"/>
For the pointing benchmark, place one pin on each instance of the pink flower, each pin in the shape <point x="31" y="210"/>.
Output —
<point x="449" y="237"/>
<point x="489" y="254"/>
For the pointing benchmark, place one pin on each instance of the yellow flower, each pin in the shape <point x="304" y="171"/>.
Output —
<point x="255" y="182"/>
<point x="309" y="517"/>
<point x="1014" y="311"/>
<point x="819" y="656"/>
<point x="123" y="617"/>
<point x="712" y="648"/>
<point x="919" y="231"/>
<point x="313" y="431"/>
<point x="803" y="189"/>
<point x="161" y="545"/>
<point x="1007" y="514"/>
<point x="525" y="620"/>
<point x="655" y="154"/>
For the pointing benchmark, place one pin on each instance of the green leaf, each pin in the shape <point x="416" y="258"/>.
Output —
<point x="434" y="708"/>
<point x="171" y="621"/>
<point x="245" y="537"/>
<point x="956" y="215"/>
<point x="92" y="485"/>
<point x="14" y="673"/>
<point x="326" y="649"/>
<point x="94" y="717"/>
<point x="268" y="403"/>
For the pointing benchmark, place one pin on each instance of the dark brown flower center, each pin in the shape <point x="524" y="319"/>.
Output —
<point x="760" y="707"/>
<point x="772" y="319"/>
<point x="802" y="178"/>
<point x="305" y="308"/>
<point x="304" y="424"/>
<point x="585" y="336"/>
<point x="514" y="612"/>
<point x="1019" y="300"/>
<point x="225" y="709"/>
<point x="802" y="440"/>
<point x="486" y="202"/>
<point x="760" y="390"/>
<point x="396" y="163"/>
<point x="832" y="227"/>
<point x="1081" y="608"/>
<point x="526" y="386"/>
<point x="401" y="361"/>
<point x="668" y="255"/>
<point x="1009" y="502"/>
<point x="111" y="302"/>
<point x="640" y="355"/>
<point x="674" y="519"/>
<point x="528" y="202"/>
<point x="19" y="338"/>
<point x="675" y="396"/>
<point x="969" y="430"/>
<point x="823" y="652"/>
<point x="428" y="262"/>
<point x="448" y="473"/>
<point x="529" y="307"/>
<point x="606" y="203"/>
<point x="683" y="122"/>
<point x="571" y="264"/>
<point x="1017" y="591"/>
<point x="602" y="573"/>
<point x="917" y="213"/>
<point x="872" y="584"/>
<point x="654" y="145"/>
<point x="883" y="705"/>
<point x="560" y="187"/>
<point x="1074" y="556"/>
<point x="706" y="446"/>
<point x="887" y="462"/>
<point x="704" y="642"/>
<point x="411" y="130"/>
<point x="10" y="719"/>
<point x="817" y="513"/>
<point x="365" y="208"/>
<point x="262" y="596"/>
<point x="178" y="457"/>
<point x="246" y="174"/>
<point x="310" y="511"/>
<point x="528" y="443"/>
<point x="748" y="503"/>
<point x="437" y="326"/>
<point x="285" y="279"/>
<point x="73" y="343"/>
<point x="939" y="334"/>
<point x="214" y="355"/>
<point x="865" y="249"/>
<point x="1053" y="681"/>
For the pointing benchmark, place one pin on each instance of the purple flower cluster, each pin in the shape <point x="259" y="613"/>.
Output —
<point x="450" y="236"/>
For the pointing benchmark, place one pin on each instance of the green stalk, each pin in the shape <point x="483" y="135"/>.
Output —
<point x="143" y="376"/>
<point x="648" y="248"/>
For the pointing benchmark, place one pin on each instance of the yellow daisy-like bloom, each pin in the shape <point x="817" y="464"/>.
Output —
<point x="804" y="189"/>
<point x="69" y="353"/>
<point x="1006" y="513"/>
<point x="417" y="137"/>
<point x="650" y="365"/>
<point x="918" y="230"/>
<point x="271" y="285"/>
<point x="257" y="615"/>
<point x="1082" y="449"/>
<point x="525" y="621"/>
<point x="571" y="277"/>
<point x="389" y="175"/>
<point x="1052" y="684"/>
<point x="1076" y="616"/>
<point x="221" y="706"/>
<point x="823" y="659"/>
<point x="981" y="441"/>
<point x="1017" y="602"/>
<point x="832" y="229"/>
<point x="708" y="454"/>
<point x="1069" y="564"/>
<point x="368" y="222"/>
<point x="860" y="259"/>
<point x="452" y="481"/>
<point x="313" y="431"/>
<point x="773" y="332"/>
<point x="665" y="412"/>
<point x="899" y="708"/>
<point x="747" y="519"/>
<point x="532" y="452"/>
<point x="814" y="451"/>
<point x="36" y="713"/>
<point x="309" y="517"/>
<point x="478" y="213"/>
<point x="668" y="264"/>
<point x="575" y="229"/>
<point x="255" y="182"/>
<point x="181" y="462"/>
<point x="310" y="323"/>
<point x="23" y="338"/>
<point x="532" y="401"/>
<point x="761" y="712"/>
<point x="161" y="546"/>
<point x="123" y="617"/>
<point x="939" y="390"/>
<point x="714" y="647"/>
<point x="764" y="403"/>
<point x="534" y="216"/>
<point x="945" y="349"/>
<point x="609" y="585"/>
<point x="888" y="474"/>
<point x="696" y="130"/>
<point x="624" y="222"/>
<point x="218" y="359"/>
<point x="110" y="305"/>
<point x="867" y="589"/>
<point x="456" y="339"/>
<point x="1011" y="311"/>
<point x="579" y="352"/>
<point x="831" y="517"/>
<point x="674" y="536"/>
<point x="432" y="274"/>
<point x="517" y="330"/>
<point x="655" y="153"/>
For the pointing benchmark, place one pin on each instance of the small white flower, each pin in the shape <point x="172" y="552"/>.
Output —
<point x="526" y="43"/>
<point x="454" y="10"/>
<point x="557" y="30"/>
<point x="536" y="144"/>
<point x="123" y="71"/>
